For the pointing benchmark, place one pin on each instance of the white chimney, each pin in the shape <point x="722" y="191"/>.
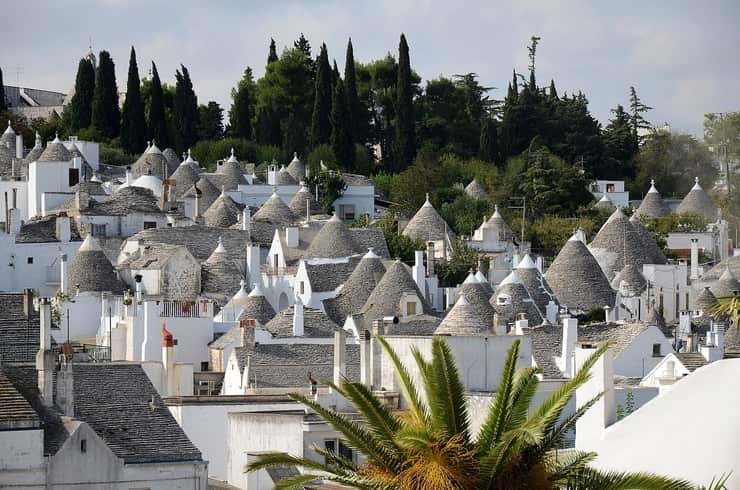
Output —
<point x="129" y="179"/>
<point x="247" y="219"/>
<point x="570" y="337"/>
<point x="291" y="236"/>
<point x="340" y="360"/>
<point x="298" y="318"/>
<point x="63" y="273"/>
<point x="590" y="427"/>
<point x="551" y="312"/>
<point x="19" y="146"/>
<point x="521" y="324"/>
<point x="418" y="271"/>
<point x="430" y="258"/>
<point x="308" y="211"/>
<point x="15" y="220"/>
<point x="253" y="263"/>
<point x="45" y="357"/>
<point x="169" y="381"/>
<point x="694" y="259"/>
<point x="63" y="230"/>
<point x="609" y="314"/>
<point x="539" y="263"/>
<point x="714" y="347"/>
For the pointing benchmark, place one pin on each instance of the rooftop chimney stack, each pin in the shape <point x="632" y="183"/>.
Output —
<point x="570" y="337"/>
<point x="298" y="330"/>
<point x="340" y="360"/>
<point x="169" y="381"/>
<point x="590" y="427"/>
<point x="694" y="259"/>
<point x="247" y="333"/>
<point x="430" y="258"/>
<point x="247" y="219"/>
<point x="45" y="357"/>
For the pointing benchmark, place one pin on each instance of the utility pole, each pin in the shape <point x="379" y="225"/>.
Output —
<point x="523" y="207"/>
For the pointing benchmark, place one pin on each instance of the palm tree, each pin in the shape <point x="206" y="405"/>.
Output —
<point x="431" y="445"/>
<point x="728" y="307"/>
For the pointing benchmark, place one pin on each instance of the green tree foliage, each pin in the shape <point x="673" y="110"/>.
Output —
<point x="133" y="123"/>
<point x="399" y="246"/>
<point x="405" y="131"/>
<point x="244" y="99"/>
<point x="321" y="128"/>
<point x="432" y="444"/>
<point x="321" y="154"/>
<point x="637" y="109"/>
<point x="210" y="121"/>
<point x="354" y="109"/>
<point x="272" y="56"/>
<point x="3" y="100"/>
<point x="673" y="160"/>
<point x="106" y="116"/>
<point x="294" y="135"/>
<point x="158" y="128"/>
<point x="208" y="151"/>
<point x="302" y="45"/>
<point x="185" y="111"/>
<point x="465" y="214"/>
<point x="81" y="105"/>
<point x="115" y="156"/>
<point x="341" y="138"/>
<point x="330" y="185"/>
<point x="620" y="146"/>
<point x="453" y="271"/>
<point x="549" y="233"/>
<point x="488" y="143"/>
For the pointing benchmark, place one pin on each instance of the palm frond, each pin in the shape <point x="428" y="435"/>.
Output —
<point x="354" y="434"/>
<point x="493" y="427"/>
<point x="272" y="460"/>
<point x="415" y="438"/>
<point x="589" y="478"/>
<point x="448" y="396"/>
<point x="336" y="461"/>
<point x="408" y="389"/>
<point x="297" y="482"/>
<point x="562" y="466"/>
<point x="523" y="390"/>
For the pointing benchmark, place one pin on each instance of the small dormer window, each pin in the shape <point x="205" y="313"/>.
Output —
<point x="503" y="300"/>
<point x="303" y="287"/>
<point x="410" y="308"/>
<point x="83" y="445"/>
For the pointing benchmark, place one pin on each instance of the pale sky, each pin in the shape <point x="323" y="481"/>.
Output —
<point x="680" y="55"/>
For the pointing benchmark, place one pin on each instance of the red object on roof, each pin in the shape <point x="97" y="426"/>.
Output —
<point x="166" y="337"/>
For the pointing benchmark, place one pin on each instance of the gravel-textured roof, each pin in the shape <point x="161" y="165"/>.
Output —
<point x="231" y="172"/>
<point x="8" y="136"/>
<point x="20" y="335"/>
<point x="316" y="324"/>
<point x="153" y="257"/>
<point x="15" y="411"/>
<point x="634" y="282"/>
<point x="209" y="193"/>
<point x="496" y="221"/>
<point x="652" y="205"/>
<point x="650" y="247"/>
<point x="173" y="161"/>
<point x="366" y="238"/>
<point x="184" y="176"/>
<point x="512" y="298"/>
<point x="478" y="296"/>
<point x="275" y="211"/>
<point x="125" y="201"/>
<point x="617" y="243"/>
<point x="386" y="297"/>
<point x="288" y="365"/>
<point x="36" y="151"/>
<point x="697" y="201"/>
<point x="55" y="152"/>
<point x="93" y="188"/>
<point x="220" y="276"/>
<point x="325" y="277"/>
<point x="577" y="279"/>
<point x="43" y="230"/>
<point x="604" y="204"/>
<point x="732" y="339"/>
<point x="285" y="178"/>
<point x="475" y="190"/>
<point x="151" y="160"/>
<point x="333" y="241"/>
<point x="223" y="213"/>
<point x="256" y="307"/>
<point x="691" y="360"/>
<point x="114" y="400"/>
<point x="296" y="168"/>
<point x="298" y="203"/>
<point x="356" y="289"/>
<point x="6" y="162"/>
<point x="535" y="283"/>
<point x="92" y="270"/>
<point x="725" y="285"/>
<point x="427" y="224"/>
<point x="199" y="239"/>
<point x="463" y="319"/>
<point x="706" y="300"/>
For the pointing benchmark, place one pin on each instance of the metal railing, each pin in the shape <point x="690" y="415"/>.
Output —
<point x="183" y="309"/>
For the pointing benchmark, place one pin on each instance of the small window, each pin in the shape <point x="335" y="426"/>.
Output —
<point x="97" y="230"/>
<point x="150" y="224"/>
<point x="83" y="445"/>
<point x="204" y="365"/>
<point x="29" y="260"/>
<point x="656" y="350"/>
<point x="303" y="287"/>
<point x="411" y="308"/>
<point x="331" y="445"/>
<point x="347" y="212"/>
<point x="74" y="177"/>
<point x="609" y="187"/>
<point x="275" y="262"/>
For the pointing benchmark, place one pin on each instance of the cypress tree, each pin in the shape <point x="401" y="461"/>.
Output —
<point x="157" y="119"/>
<point x="488" y="145"/>
<point x="81" y="104"/>
<point x="133" y="123"/>
<point x="405" y="134"/>
<point x="272" y="56"/>
<point x="341" y="139"/>
<point x="106" y="116"/>
<point x="186" y="111"/>
<point x="320" y="123"/>
<point x="553" y="91"/>
<point x="353" y="101"/>
<point x="334" y="75"/>
<point x="3" y="101"/>
<point x="242" y="108"/>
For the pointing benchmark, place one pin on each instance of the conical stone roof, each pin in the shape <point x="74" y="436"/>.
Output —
<point x="535" y="283"/>
<point x="240" y="298"/>
<point x="275" y="211"/>
<point x="650" y="248"/>
<point x="92" y="271"/>
<point x="232" y="173"/>
<point x="697" y="201"/>
<point x="55" y="152"/>
<point x="475" y="190"/>
<point x="356" y="289"/>
<point x="208" y="194"/>
<point x="285" y="178"/>
<point x="496" y="221"/>
<point x="223" y="213"/>
<point x="706" y="300"/>
<point x="6" y="161"/>
<point x="725" y="285"/>
<point x="333" y="241"/>
<point x="463" y="319"/>
<point x="634" y="282"/>
<point x="604" y="204"/>
<point x="152" y="159"/>
<point x="184" y="176"/>
<point x="577" y="279"/>
<point x="652" y="206"/>
<point x="256" y="307"/>
<point x="173" y="161"/>
<point x="8" y="137"/>
<point x="220" y="275"/>
<point x="298" y="203"/>
<point x="512" y="298"/>
<point x="36" y="151"/>
<point x="618" y="243"/>
<point x="386" y="297"/>
<point x="478" y="296"/>
<point x="427" y="224"/>
<point x="296" y="168"/>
